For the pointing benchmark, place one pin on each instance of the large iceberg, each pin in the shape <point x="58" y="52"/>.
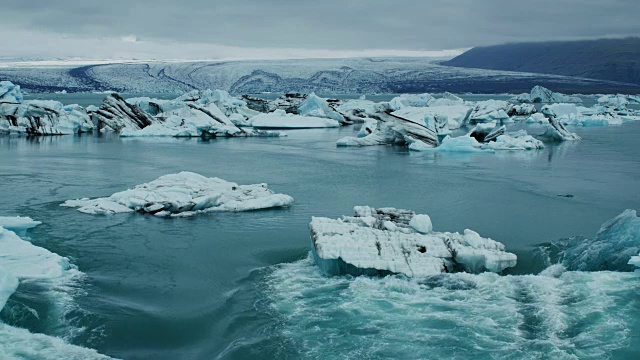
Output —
<point x="184" y="194"/>
<point x="410" y="100"/>
<point x="392" y="241"/>
<point x="456" y="115"/>
<point x="393" y="129"/>
<point x="555" y="129"/>
<point x="490" y="110"/>
<point x="617" y="241"/>
<point x="315" y="106"/>
<point x="117" y="114"/>
<point x="39" y="117"/>
<point x="279" y="119"/>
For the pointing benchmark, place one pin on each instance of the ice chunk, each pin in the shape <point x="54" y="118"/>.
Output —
<point x="555" y="130"/>
<point x="537" y="118"/>
<point x="279" y="119"/>
<point x="184" y="194"/>
<point x="456" y="115"/>
<point x="517" y="141"/>
<point x="44" y="117"/>
<point x="447" y="99"/>
<point x="117" y="114"/>
<point x="18" y="224"/>
<point x="455" y="144"/>
<point x="522" y="110"/>
<point x="489" y="111"/>
<point x="10" y="93"/>
<point x="541" y="94"/>
<point x="315" y="106"/>
<point x="410" y="100"/>
<point x="617" y="241"/>
<point x="385" y="241"/>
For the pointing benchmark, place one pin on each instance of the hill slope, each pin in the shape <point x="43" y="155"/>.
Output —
<point x="604" y="59"/>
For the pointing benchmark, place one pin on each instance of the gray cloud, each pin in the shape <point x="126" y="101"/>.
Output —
<point x="328" y="24"/>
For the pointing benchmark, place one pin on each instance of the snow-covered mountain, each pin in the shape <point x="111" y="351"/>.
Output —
<point x="350" y="75"/>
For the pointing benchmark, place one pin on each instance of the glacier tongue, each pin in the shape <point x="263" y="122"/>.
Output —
<point x="392" y="241"/>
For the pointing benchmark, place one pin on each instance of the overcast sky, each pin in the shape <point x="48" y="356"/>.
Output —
<point x="209" y="29"/>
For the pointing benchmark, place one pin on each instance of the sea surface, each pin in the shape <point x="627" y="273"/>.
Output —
<point x="241" y="286"/>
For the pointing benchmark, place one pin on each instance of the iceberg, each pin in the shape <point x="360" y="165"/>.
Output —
<point x="39" y="117"/>
<point x="184" y="194"/>
<point x="537" y="118"/>
<point x="117" y="114"/>
<point x="489" y="111"/>
<point x="517" y="141"/>
<point x="279" y="119"/>
<point x="392" y="241"/>
<point x="18" y="224"/>
<point x="555" y="129"/>
<point x="457" y="115"/>
<point x="541" y="94"/>
<point x="410" y="100"/>
<point x="10" y="93"/>
<point x="315" y="106"/>
<point x="393" y="129"/>
<point x="447" y="99"/>
<point x="614" y="248"/>
<point x="453" y="144"/>
<point x="522" y="110"/>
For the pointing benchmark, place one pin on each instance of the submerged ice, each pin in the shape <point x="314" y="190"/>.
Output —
<point x="184" y="194"/>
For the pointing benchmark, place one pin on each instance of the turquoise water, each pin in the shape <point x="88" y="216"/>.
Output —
<point x="239" y="285"/>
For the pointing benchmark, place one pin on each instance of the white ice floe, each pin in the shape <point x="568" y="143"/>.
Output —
<point x="519" y="140"/>
<point x="18" y="224"/>
<point x="315" y="106"/>
<point x="279" y="119"/>
<point x="387" y="240"/>
<point x="184" y="194"/>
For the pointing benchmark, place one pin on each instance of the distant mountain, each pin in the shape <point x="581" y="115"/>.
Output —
<point x="604" y="59"/>
<point x="326" y="76"/>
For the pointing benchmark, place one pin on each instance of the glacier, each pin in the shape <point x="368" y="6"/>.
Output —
<point x="393" y="241"/>
<point x="184" y="194"/>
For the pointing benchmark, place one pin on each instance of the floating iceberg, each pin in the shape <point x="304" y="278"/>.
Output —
<point x="522" y="110"/>
<point x="315" y="106"/>
<point x="279" y="119"/>
<point x="453" y="144"/>
<point x="537" y="118"/>
<point x="490" y="110"/>
<point x="117" y="114"/>
<point x="10" y="93"/>
<point x="447" y="99"/>
<point x="392" y="241"/>
<point x="516" y="141"/>
<point x="617" y="241"/>
<point x="410" y="100"/>
<point x="393" y="129"/>
<point x="184" y="194"/>
<point x="541" y="94"/>
<point x="456" y="115"/>
<point x="39" y="117"/>
<point x="555" y="129"/>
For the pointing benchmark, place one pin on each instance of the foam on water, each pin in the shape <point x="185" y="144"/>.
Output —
<point x="33" y="275"/>
<point x="556" y="314"/>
